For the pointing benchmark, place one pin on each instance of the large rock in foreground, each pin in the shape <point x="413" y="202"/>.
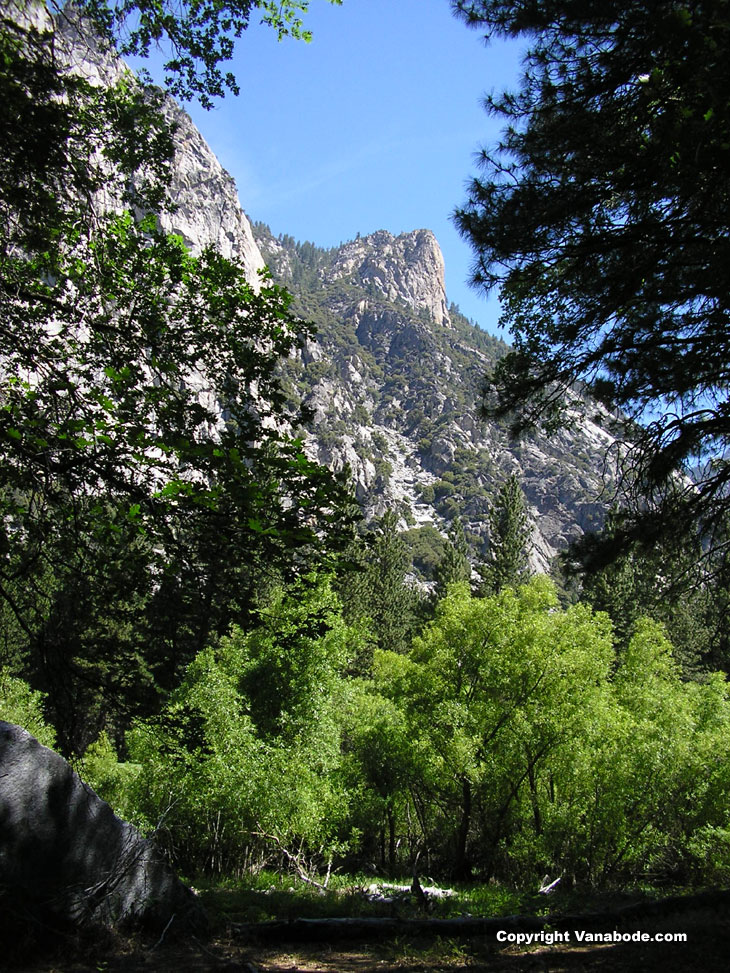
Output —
<point x="63" y="851"/>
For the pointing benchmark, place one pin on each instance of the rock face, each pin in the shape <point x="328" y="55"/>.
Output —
<point x="64" y="853"/>
<point x="409" y="268"/>
<point x="207" y="210"/>
<point x="393" y="383"/>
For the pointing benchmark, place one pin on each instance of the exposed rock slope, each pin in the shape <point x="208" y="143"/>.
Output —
<point x="408" y="268"/>
<point x="393" y="379"/>
<point x="393" y="383"/>
<point x="207" y="209"/>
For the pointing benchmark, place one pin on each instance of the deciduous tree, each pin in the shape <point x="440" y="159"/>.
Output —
<point x="248" y="749"/>
<point x="148" y="483"/>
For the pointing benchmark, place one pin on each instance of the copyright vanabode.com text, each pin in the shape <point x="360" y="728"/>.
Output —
<point x="583" y="936"/>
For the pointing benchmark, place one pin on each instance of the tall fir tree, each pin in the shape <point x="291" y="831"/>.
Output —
<point x="454" y="564"/>
<point x="507" y="562"/>
<point x="379" y="589"/>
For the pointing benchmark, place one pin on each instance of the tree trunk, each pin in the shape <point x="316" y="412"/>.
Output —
<point x="462" y="869"/>
<point x="391" y="838"/>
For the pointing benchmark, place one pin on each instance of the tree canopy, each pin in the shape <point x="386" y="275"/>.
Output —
<point x="197" y="37"/>
<point x="148" y="487"/>
<point x="603" y="217"/>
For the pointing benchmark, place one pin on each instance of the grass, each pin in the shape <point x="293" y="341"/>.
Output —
<point x="270" y="895"/>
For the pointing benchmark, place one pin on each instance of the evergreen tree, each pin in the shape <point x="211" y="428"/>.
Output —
<point x="509" y="540"/>
<point x="603" y="217"/>
<point x="379" y="590"/>
<point x="454" y="564"/>
<point x="672" y="585"/>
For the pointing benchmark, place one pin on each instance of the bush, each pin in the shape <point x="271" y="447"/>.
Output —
<point x="23" y="706"/>
<point x="113" y="781"/>
<point x="245" y="760"/>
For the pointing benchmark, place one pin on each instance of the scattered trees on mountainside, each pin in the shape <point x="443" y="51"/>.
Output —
<point x="603" y="217"/>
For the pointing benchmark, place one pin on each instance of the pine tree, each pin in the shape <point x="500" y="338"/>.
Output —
<point x="454" y="564"/>
<point x="509" y="540"/>
<point x="602" y="215"/>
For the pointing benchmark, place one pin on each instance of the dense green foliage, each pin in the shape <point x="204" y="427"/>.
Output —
<point x="22" y="705"/>
<point x="510" y="741"/>
<point x="673" y="585"/>
<point x="246" y="754"/>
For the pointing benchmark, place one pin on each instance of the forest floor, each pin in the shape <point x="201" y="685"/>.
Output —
<point x="234" y="946"/>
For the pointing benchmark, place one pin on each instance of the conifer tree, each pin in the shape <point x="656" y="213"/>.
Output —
<point x="454" y="564"/>
<point x="602" y="216"/>
<point x="380" y="590"/>
<point x="509" y="540"/>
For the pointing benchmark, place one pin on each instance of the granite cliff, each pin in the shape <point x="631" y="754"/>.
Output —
<point x="393" y="383"/>
<point x="392" y="380"/>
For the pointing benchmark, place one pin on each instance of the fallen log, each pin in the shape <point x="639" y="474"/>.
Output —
<point x="466" y="927"/>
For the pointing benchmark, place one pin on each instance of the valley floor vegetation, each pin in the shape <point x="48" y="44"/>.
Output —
<point x="509" y="741"/>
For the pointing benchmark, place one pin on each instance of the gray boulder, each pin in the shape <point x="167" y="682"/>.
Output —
<point x="64" y="853"/>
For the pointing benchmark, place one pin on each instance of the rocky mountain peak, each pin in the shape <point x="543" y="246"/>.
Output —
<point x="408" y="268"/>
<point x="393" y="380"/>
<point x="393" y="384"/>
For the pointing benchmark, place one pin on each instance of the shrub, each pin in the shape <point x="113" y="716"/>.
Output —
<point x="23" y="706"/>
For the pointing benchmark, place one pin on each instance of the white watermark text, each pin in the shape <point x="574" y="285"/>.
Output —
<point x="550" y="938"/>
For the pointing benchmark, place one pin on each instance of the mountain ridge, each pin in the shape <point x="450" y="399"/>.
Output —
<point x="392" y="381"/>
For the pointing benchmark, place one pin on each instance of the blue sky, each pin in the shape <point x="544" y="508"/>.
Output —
<point x="373" y="125"/>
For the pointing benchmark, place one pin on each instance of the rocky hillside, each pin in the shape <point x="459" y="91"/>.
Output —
<point x="393" y="379"/>
<point x="393" y="385"/>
